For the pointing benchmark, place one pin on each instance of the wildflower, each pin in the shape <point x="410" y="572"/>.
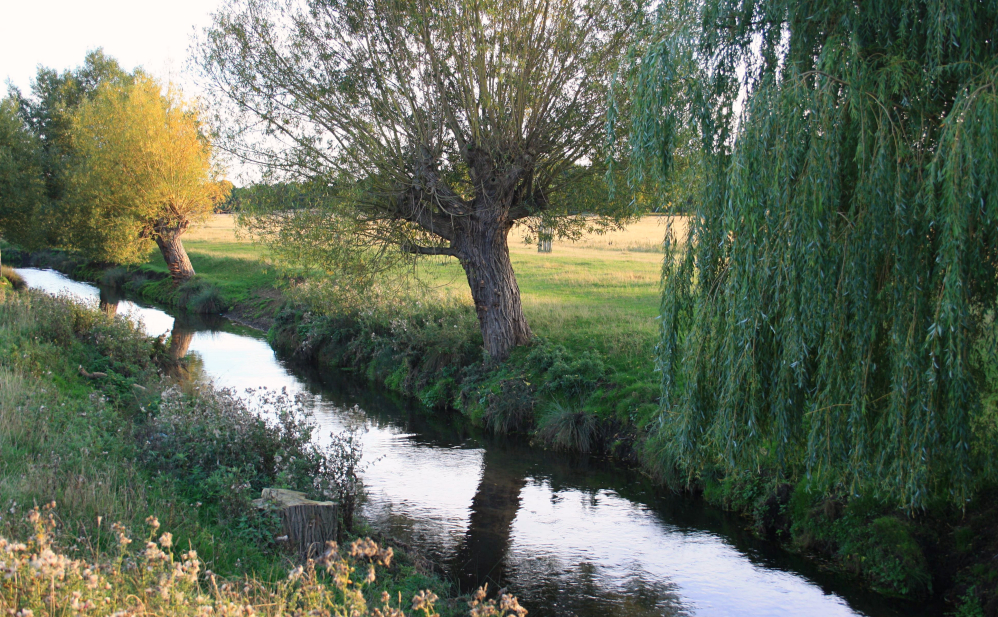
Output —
<point x="152" y="553"/>
<point x="123" y="539"/>
<point x="153" y="522"/>
<point x="295" y="574"/>
<point x="511" y="605"/>
<point x="423" y="601"/>
<point x="369" y="549"/>
<point x="166" y="540"/>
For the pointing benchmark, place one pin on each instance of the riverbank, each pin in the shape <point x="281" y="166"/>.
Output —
<point x="571" y="396"/>
<point x="89" y="423"/>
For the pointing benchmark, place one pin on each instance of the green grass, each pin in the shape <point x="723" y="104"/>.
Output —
<point x="584" y="299"/>
<point x="235" y="267"/>
<point x="592" y="294"/>
<point x="82" y="443"/>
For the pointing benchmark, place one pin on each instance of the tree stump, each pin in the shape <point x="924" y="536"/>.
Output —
<point x="307" y="524"/>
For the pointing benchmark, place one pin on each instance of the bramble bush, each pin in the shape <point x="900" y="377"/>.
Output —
<point x="226" y="450"/>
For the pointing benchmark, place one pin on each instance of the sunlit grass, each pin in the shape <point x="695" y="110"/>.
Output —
<point x="600" y="292"/>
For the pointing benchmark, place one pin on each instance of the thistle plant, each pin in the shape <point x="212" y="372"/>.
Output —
<point x="149" y="579"/>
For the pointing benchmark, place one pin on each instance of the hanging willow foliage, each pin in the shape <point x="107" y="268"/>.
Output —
<point x="840" y="263"/>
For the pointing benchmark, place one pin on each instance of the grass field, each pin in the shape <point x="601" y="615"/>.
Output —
<point x="224" y="258"/>
<point x="601" y="292"/>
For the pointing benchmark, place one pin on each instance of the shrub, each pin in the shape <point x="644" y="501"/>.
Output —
<point x="570" y="430"/>
<point x="115" y="277"/>
<point x="865" y="536"/>
<point x="561" y="373"/>
<point x="510" y="408"/>
<point x="885" y="551"/>
<point x="228" y="452"/>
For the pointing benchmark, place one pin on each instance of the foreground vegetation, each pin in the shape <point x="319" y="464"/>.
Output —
<point x="576" y="390"/>
<point x="88" y="422"/>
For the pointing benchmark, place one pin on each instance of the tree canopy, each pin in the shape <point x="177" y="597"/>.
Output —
<point x="824" y="314"/>
<point x="46" y="114"/>
<point x="22" y="184"/>
<point x="436" y="125"/>
<point x="143" y="170"/>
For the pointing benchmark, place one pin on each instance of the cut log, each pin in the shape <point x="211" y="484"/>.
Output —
<point x="308" y="524"/>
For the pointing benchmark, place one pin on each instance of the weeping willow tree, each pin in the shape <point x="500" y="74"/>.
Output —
<point x="821" y="313"/>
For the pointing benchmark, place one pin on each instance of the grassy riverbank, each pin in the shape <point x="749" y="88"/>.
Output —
<point x="587" y="385"/>
<point x="89" y="423"/>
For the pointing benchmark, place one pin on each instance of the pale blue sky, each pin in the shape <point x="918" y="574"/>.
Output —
<point x="58" y="33"/>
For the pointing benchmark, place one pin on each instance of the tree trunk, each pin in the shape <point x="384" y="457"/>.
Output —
<point x="484" y="254"/>
<point x="174" y="254"/>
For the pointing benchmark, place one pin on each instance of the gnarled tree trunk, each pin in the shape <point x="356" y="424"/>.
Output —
<point x="168" y="240"/>
<point x="483" y="249"/>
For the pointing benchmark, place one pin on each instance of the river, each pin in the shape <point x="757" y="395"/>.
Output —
<point x="568" y="535"/>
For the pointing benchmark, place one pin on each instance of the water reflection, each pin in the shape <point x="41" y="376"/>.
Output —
<point x="568" y="535"/>
<point x="481" y="555"/>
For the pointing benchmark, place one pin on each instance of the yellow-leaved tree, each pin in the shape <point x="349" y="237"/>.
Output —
<point x="143" y="171"/>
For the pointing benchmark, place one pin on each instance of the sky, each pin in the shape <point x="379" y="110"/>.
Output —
<point x="58" y="34"/>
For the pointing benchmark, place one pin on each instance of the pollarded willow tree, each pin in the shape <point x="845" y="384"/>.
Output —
<point x="840" y="266"/>
<point x="143" y="170"/>
<point x="435" y="125"/>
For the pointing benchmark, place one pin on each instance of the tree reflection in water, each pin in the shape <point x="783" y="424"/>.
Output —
<point x="481" y="554"/>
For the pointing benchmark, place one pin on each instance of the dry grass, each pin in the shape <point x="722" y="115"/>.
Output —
<point x="220" y="237"/>
<point x="643" y="236"/>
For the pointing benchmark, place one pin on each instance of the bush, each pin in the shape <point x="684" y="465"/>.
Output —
<point x="509" y="408"/>
<point x="561" y="373"/>
<point x="865" y="536"/>
<point x="115" y="277"/>
<point x="885" y="551"/>
<point x="570" y="430"/>
<point x="227" y="452"/>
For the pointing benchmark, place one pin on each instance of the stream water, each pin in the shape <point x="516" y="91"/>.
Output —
<point x="568" y="535"/>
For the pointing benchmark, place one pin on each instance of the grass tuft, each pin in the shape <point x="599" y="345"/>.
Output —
<point x="13" y="278"/>
<point x="115" y="277"/>
<point x="570" y="430"/>
<point x="199" y="296"/>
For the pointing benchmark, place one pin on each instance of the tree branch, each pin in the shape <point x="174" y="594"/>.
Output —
<point x="432" y="250"/>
